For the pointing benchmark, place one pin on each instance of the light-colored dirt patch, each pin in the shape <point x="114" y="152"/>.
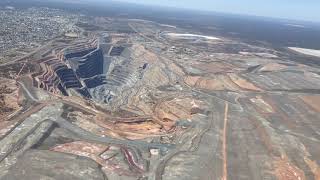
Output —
<point x="310" y="75"/>
<point x="313" y="101"/>
<point x="176" y="69"/>
<point x="156" y="77"/>
<point x="81" y="148"/>
<point x="139" y="53"/>
<point x="243" y="83"/>
<point x="273" y="67"/>
<point x="262" y="105"/>
<point x="84" y="149"/>
<point x="211" y="84"/>
<point x="218" y="82"/>
<point x="82" y="120"/>
<point x="169" y="112"/>
<point x="191" y="80"/>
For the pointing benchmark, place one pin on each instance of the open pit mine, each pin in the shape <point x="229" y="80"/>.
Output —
<point x="134" y="99"/>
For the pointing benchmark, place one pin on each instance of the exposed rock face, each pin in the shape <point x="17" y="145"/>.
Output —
<point x="36" y="164"/>
<point x="116" y="51"/>
<point x="56" y="76"/>
<point x="88" y="65"/>
<point x="67" y="69"/>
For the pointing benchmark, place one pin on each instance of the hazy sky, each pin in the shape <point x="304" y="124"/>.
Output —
<point x="292" y="9"/>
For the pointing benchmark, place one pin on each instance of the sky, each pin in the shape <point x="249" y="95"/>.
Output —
<point x="289" y="9"/>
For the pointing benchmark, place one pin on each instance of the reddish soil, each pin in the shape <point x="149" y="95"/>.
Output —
<point x="313" y="101"/>
<point x="243" y="83"/>
<point x="285" y="170"/>
<point x="168" y="112"/>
